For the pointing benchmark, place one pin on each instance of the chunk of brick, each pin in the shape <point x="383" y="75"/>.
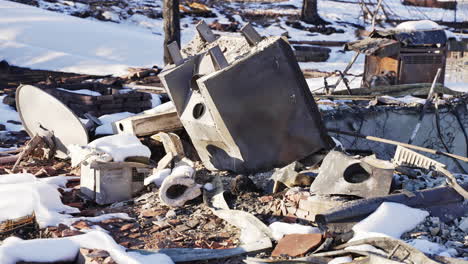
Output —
<point x="295" y="245"/>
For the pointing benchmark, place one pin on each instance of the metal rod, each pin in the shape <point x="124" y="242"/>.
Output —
<point x="350" y="64"/>
<point x="424" y="108"/>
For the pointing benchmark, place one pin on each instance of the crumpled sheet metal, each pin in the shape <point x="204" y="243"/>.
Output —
<point x="255" y="114"/>
<point x="342" y="174"/>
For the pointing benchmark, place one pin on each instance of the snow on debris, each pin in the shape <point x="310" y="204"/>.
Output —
<point x="36" y="196"/>
<point x="41" y="197"/>
<point x="341" y="260"/>
<point x="418" y="25"/>
<point x="41" y="39"/>
<point x="155" y="100"/>
<point x="432" y="248"/>
<point x="158" y="177"/>
<point x="14" y="250"/>
<point x="107" y="120"/>
<point x="280" y="229"/>
<point x="161" y="108"/>
<point x="82" y="91"/>
<point x="121" y="147"/>
<point x="8" y="113"/>
<point x="390" y="219"/>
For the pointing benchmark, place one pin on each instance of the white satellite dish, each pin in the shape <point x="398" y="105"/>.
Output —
<point x="40" y="111"/>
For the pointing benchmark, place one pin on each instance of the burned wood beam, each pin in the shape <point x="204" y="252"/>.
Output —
<point x="171" y="25"/>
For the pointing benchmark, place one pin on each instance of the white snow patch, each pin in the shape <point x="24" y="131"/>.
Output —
<point x="78" y="154"/>
<point x="280" y="229"/>
<point x="41" y="39"/>
<point x="96" y="219"/>
<point x="458" y="86"/>
<point x="41" y="197"/>
<point x="107" y="120"/>
<point x="340" y="260"/>
<point x="14" y="249"/>
<point x="430" y="247"/>
<point x="109" y="15"/>
<point x="82" y="91"/>
<point x="407" y="99"/>
<point x="167" y="106"/>
<point x="36" y="195"/>
<point x="418" y="25"/>
<point x="208" y="186"/>
<point x="155" y="100"/>
<point x="121" y="147"/>
<point x="158" y="177"/>
<point x="390" y="219"/>
<point x="8" y="113"/>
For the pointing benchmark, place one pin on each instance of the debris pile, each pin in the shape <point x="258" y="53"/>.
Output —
<point x="240" y="166"/>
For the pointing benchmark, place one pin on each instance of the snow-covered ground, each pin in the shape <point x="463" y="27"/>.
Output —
<point x="41" y="197"/>
<point x="8" y="113"/>
<point x="41" y="39"/>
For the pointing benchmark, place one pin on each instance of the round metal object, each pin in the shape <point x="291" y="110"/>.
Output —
<point x="41" y="111"/>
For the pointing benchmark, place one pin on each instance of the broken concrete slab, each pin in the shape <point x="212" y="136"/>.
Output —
<point x="364" y="177"/>
<point x="295" y="245"/>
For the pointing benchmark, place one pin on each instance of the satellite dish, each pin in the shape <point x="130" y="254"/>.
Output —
<point x="40" y="111"/>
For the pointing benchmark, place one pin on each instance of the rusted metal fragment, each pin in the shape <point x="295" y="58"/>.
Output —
<point x="343" y="174"/>
<point x="295" y="245"/>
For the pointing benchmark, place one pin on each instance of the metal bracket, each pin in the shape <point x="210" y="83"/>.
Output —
<point x="217" y="56"/>
<point x="174" y="52"/>
<point x="205" y="32"/>
<point x="251" y="35"/>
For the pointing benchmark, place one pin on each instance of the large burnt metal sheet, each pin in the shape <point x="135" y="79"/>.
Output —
<point x="255" y="114"/>
<point x="40" y="111"/>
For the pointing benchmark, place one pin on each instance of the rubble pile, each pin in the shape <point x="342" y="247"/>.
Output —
<point x="239" y="167"/>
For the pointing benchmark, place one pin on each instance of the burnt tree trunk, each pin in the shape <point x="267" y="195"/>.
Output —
<point x="171" y="26"/>
<point x="309" y="12"/>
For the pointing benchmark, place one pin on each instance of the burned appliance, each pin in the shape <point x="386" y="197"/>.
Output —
<point x="402" y="57"/>
<point x="244" y="102"/>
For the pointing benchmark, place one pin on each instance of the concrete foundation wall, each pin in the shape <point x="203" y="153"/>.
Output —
<point x="397" y="123"/>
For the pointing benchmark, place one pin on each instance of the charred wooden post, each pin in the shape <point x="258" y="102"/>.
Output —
<point x="171" y="26"/>
<point x="309" y="12"/>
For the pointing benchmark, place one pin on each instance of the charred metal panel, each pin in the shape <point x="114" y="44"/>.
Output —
<point x="256" y="114"/>
<point x="421" y="67"/>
